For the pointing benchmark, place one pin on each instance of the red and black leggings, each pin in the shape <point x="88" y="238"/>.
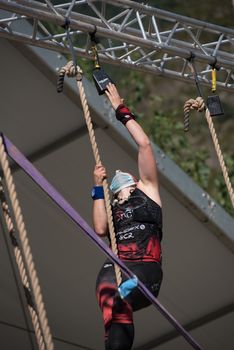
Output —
<point x="118" y="313"/>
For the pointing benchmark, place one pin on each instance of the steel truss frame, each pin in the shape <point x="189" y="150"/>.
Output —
<point x="137" y="36"/>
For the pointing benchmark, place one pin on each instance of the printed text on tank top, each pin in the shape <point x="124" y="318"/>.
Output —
<point x="138" y="227"/>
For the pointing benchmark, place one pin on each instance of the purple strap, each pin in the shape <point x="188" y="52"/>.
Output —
<point x="30" y="170"/>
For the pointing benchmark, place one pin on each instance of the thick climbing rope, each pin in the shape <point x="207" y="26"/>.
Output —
<point x="24" y="258"/>
<point x="22" y="270"/>
<point x="200" y="106"/>
<point x="70" y="71"/>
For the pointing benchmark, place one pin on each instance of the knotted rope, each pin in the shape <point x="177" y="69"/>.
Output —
<point x="70" y="71"/>
<point x="37" y="313"/>
<point x="200" y="106"/>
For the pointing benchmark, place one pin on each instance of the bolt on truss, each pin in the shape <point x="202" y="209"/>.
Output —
<point x="131" y="34"/>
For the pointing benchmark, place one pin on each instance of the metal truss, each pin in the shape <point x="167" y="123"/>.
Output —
<point x="131" y="35"/>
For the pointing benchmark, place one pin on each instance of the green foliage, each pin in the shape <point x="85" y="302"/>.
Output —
<point x="169" y="135"/>
<point x="217" y="12"/>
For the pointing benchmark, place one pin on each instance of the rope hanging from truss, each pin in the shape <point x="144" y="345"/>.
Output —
<point x="199" y="104"/>
<point x="24" y="259"/>
<point x="71" y="71"/>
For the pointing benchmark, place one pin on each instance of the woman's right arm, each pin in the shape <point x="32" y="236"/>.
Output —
<point x="100" y="222"/>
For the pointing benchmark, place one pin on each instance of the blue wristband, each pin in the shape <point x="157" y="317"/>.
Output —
<point x="97" y="192"/>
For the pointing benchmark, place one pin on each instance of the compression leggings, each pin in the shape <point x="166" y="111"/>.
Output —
<point x="119" y="336"/>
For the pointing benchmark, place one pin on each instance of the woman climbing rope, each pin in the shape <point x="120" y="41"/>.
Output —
<point x="137" y="217"/>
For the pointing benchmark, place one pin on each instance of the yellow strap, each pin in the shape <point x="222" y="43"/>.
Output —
<point x="213" y="80"/>
<point x="95" y="57"/>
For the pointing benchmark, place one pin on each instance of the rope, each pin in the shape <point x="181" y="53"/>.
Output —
<point x="22" y="270"/>
<point x="38" y="314"/>
<point x="200" y="106"/>
<point x="69" y="70"/>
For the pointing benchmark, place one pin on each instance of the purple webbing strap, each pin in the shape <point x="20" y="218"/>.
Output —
<point x="37" y="177"/>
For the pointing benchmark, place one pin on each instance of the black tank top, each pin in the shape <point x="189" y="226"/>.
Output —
<point x="138" y="228"/>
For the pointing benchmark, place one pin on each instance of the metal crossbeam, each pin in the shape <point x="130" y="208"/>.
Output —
<point x="133" y="35"/>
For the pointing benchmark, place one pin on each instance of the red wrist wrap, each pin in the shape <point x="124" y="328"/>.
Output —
<point x="123" y="114"/>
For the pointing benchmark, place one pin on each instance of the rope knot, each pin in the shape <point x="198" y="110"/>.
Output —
<point x="197" y="104"/>
<point x="71" y="71"/>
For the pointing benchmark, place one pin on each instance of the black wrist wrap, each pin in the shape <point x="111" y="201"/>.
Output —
<point x="123" y="114"/>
